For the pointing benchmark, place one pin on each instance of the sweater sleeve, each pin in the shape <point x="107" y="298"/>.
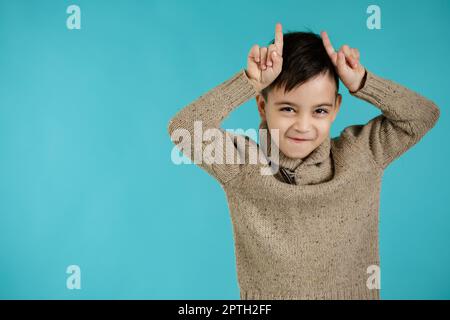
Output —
<point x="207" y="112"/>
<point x="406" y="117"/>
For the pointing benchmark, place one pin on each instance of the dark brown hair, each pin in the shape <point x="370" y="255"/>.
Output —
<point x="304" y="57"/>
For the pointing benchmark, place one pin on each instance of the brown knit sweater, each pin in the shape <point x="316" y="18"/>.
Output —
<point x="314" y="239"/>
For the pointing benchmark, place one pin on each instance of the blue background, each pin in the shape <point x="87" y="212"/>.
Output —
<point x="85" y="171"/>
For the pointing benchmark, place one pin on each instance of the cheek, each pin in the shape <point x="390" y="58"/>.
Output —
<point x="323" y="126"/>
<point x="283" y="125"/>
<point x="278" y="122"/>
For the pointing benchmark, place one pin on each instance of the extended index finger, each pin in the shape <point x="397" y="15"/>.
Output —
<point x="327" y="44"/>
<point x="279" y="38"/>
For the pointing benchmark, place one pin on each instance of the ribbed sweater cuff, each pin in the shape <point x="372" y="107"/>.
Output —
<point x="395" y="100"/>
<point x="237" y="90"/>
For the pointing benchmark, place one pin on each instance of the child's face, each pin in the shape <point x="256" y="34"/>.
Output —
<point x="305" y="112"/>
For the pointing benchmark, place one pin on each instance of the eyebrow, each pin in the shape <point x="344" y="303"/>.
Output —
<point x="293" y="104"/>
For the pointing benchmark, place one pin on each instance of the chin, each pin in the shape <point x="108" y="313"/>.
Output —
<point x="296" y="154"/>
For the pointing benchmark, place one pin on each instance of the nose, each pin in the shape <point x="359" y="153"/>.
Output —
<point x="302" y="123"/>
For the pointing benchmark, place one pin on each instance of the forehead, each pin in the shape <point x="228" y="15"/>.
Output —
<point x="316" y="90"/>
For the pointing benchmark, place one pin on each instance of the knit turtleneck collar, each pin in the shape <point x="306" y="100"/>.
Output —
<point x="318" y="155"/>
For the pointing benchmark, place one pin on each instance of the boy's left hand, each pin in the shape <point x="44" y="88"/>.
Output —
<point x="346" y="62"/>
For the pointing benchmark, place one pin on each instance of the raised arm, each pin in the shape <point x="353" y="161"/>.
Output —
<point x="406" y="116"/>
<point x="209" y="110"/>
<point x="205" y="113"/>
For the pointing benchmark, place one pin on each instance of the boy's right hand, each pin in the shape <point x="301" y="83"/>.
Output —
<point x="265" y="64"/>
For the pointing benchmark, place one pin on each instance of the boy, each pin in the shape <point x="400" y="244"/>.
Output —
<point x="310" y="231"/>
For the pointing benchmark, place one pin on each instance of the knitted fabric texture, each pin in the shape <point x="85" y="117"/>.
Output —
<point x="316" y="237"/>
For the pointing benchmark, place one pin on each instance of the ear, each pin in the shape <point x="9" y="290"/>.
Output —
<point x="261" y="103"/>
<point x="337" y="106"/>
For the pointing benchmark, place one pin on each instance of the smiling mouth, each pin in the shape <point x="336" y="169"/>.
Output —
<point x="298" y="140"/>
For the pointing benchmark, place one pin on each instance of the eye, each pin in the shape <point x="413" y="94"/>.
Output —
<point x="322" y="111"/>
<point x="287" y="109"/>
